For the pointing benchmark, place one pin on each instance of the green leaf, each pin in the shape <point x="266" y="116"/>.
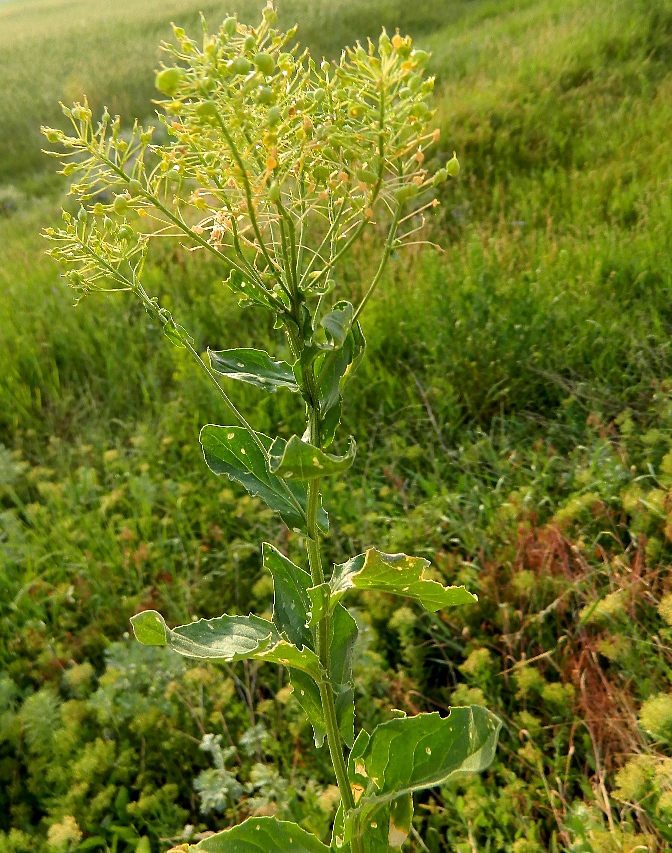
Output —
<point x="333" y="370"/>
<point x="338" y="321"/>
<point x="342" y="635"/>
<point x="149" y="628"/>
<point x="320" y="598"/>
<point x="298" y="460"/>
<point x="250" y="291"/>
<point x="254" y="367"/>
<point x="177" y="334"/>
<point x="397" y="574"/>
<point x="411" y="754"/>
<point x="261" y="835"/>
<point x="307" y="694"/>
<point x="290" y="601"/>
<point x="230" y="638"/>
<point x="233" y="451"/>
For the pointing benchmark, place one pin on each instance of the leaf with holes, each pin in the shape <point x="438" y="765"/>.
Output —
<point x="254" y="367"/>
<point x="414" y="753"/>
<point x="234" y="452"/>
<point x="298" y="460"/>
<point x="261" y="835"/>
<point x="333" y="369"/>
<point x="227" y="638"/>
<point x="338" y="322"/>
<point x="397" y="574"/>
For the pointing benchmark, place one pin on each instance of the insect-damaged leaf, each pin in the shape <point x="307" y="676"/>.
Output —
<point x="397" y="574"/>
<point x="234" y="452"/>
<point x="259" y="834"/>
<point x="298" y="460"/>
<point x="290" y="599"/>
<point x="411" y="754"/>
<point x="228" y="638"/>
<point x="254" y="367"/>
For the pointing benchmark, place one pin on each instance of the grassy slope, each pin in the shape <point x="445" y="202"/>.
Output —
<point x="486" y="418"/>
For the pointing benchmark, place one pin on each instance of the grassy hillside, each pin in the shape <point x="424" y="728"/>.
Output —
<point x="515" y="424"/>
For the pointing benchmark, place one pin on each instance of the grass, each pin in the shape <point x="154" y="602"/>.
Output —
<point x="514" y="419"/>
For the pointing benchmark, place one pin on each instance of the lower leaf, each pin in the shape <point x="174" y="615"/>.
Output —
<point x="261" y="835"/>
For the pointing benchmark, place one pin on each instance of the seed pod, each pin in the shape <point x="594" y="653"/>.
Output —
<point x="265" y="95"/>
<point x="274" y="116"/>
<point x="265" y="63"/>
<point x="241" y="65"/>
<point x="274" y="192"/>
<point x="453" y="166"/>
<point x="319" y="95"/>
<point x="420" y="109"/>
<point x="120" y="205"/>
<point x="207" y="110"/>
<point x="53" y="135"/>
<point x="405" y="193"/>
<point x="439" y="177"/>
<point x="135" y="187"/>
<point x="366" y="177"/>
<point x="249" y="44"/>
<point x="75" y="278"/>
<point x="82" y="215"/>
<point x="126" y="232"/>
<point x="420" y="56"/>
<point x="270" y="15"/>
<point x="107" y="223"/>
<point x="414" y="82"/>
<point x="230" y="27"/>
<point x="168" y="80"/>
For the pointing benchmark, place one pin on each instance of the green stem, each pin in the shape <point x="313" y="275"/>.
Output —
<point x="322" y="643"/>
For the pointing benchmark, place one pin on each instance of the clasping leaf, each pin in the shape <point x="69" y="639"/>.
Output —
<point x="298" y="460"/>
<point x="227" y="638"/>
<point x="234" y="452"/>
<point x="254" y="367"/>
<point x="257" y="834"/>
<point x="397" y="574"/>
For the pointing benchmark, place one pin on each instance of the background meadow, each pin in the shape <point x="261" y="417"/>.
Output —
<point x="514" y="422"/>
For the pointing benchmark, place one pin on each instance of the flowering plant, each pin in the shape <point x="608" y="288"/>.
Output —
<point x="277" y="167"/>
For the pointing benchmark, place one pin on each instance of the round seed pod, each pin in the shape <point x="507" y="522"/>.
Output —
<point x="274" y="116"/>
<point x="126" y="232"/>
<point x="274" y="192"/>
<point x="405" y="193"/>
<point x="265" y="95"/>
<point x="168" y="80"/>
<point x="120" y="205"/>
<point x="135" y="187"/>
<point x="453" y="166"/>
<point x="250" y="44"/>
<point x="230" y="27"/>
<point x="265" y="63"/>
<point x="241" y="65"/>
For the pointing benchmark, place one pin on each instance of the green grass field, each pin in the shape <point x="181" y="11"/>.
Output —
<point x="514" y="418"/>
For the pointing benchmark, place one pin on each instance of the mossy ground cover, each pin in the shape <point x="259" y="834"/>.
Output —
<point x="515" y="425"/>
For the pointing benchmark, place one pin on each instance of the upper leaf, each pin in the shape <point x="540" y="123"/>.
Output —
<point x="338" y="321"/>
<point x="261" y="835"/>
<point x="228" y="638"/>
<point x="298" y="460"/>
<point x="233" y="451"/>
<point x="333" y="369"/>
<point x="254" y="367"/>
<point x="398" y="574"/>
<point x="290" y="600"/>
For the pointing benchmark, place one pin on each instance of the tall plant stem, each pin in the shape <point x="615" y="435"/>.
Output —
<point x="322" y="645"/>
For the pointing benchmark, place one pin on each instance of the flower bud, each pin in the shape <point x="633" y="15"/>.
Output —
<point x="265" y="63"/>
<point x="168" y="80"/>
<point x="453" y="166"/>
